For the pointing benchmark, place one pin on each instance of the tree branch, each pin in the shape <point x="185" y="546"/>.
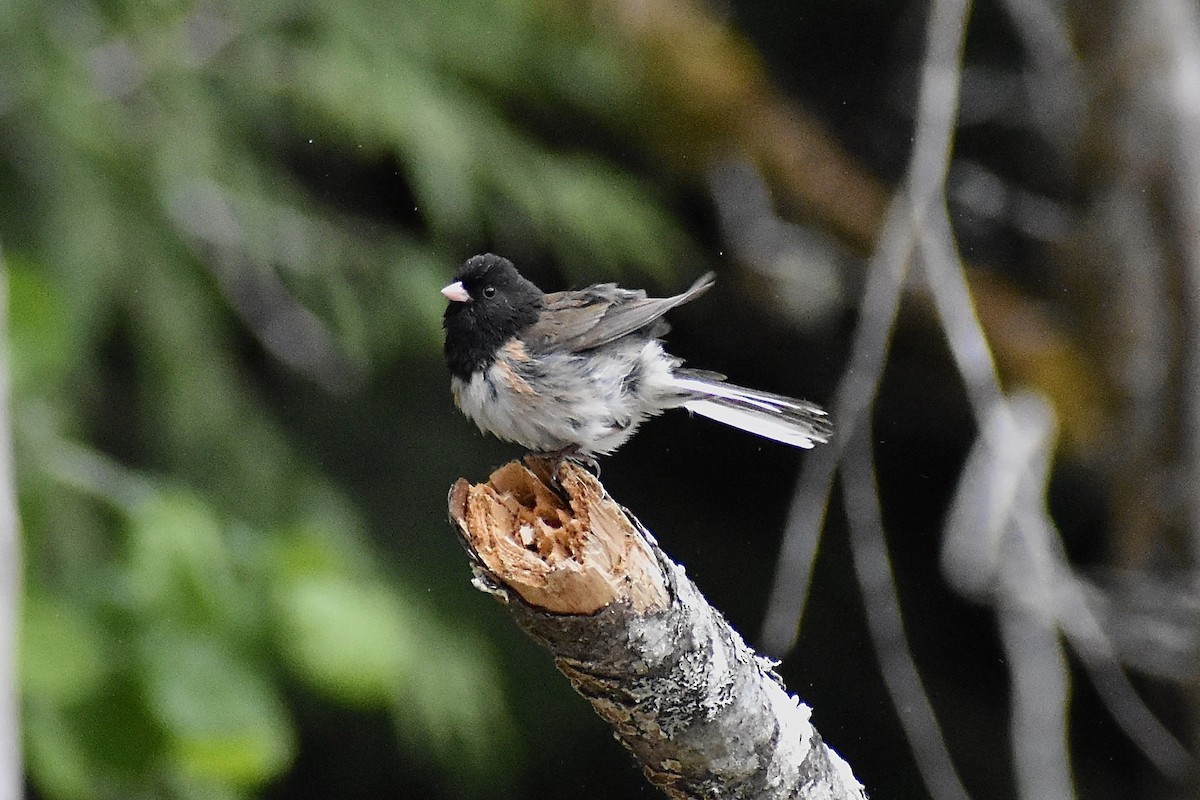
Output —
<point x="704" y="715"/>
<point x="10" y="575"/>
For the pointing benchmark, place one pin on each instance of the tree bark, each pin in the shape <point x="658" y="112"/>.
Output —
<point x="703" y="714"/>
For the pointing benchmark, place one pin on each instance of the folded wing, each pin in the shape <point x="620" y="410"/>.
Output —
<point x="588" y="318"/>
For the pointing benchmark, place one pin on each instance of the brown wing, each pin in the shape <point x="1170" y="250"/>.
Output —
<point x="600" y="314"/>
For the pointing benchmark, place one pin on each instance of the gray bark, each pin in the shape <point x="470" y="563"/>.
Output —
<point x="703" y="714"/>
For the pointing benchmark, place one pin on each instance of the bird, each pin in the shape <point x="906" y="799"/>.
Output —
<point x="575" y="373"/>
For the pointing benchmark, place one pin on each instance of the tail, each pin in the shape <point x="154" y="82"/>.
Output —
<point x="774" y="416"/>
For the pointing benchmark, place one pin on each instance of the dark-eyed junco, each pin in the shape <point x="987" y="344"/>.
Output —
<point x="577" y="372"/>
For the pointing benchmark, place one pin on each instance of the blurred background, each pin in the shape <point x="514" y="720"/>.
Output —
<point x="224" y="227"/>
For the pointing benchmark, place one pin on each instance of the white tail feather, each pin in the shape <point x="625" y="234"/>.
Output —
<point x="764" y="400"/>
<point x="758" y="422"/>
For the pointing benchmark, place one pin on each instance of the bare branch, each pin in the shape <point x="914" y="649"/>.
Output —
<point x="1175" y="25"/>
<point x="881" y="298"/>
<point x="704" y="715"/>
<point x="11" y="770"/>
<point x="873" y="567"/>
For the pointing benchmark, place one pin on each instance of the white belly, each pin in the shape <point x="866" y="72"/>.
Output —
<point x="586" y="402"/>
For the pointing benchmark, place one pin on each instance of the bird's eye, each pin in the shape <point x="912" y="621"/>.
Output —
<point x="489" y="291"/>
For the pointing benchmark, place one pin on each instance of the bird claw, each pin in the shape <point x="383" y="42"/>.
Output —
<point x="571" y="453"/>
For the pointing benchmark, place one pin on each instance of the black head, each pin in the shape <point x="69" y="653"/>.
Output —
<point x="489" y="304"/>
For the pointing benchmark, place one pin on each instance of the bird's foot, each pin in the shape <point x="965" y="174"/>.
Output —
<point x="571" y="453"/>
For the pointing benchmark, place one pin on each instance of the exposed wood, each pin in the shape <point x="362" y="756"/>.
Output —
<point x="566" y="559"/>
<point x="704" y="715"/>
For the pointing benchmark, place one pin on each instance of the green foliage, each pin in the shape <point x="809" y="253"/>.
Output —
<point x="190" y="569"/>
<point x="169" y="669"/>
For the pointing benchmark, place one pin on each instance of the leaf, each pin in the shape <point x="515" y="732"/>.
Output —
<point x="349" y="639"/>
<point x="178" y="563"/>
<point x="61" y="657"/>
<point x="39" y="331"/>
<point x="103" y="747"/>
<point x="460" y="707"/>
<point x="55" y="756"/>
<point x="360" y="641"/>
<point x="223" y="718"/>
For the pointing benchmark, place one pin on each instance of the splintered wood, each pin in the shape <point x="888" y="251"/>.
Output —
<point x="572" y="556"/>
